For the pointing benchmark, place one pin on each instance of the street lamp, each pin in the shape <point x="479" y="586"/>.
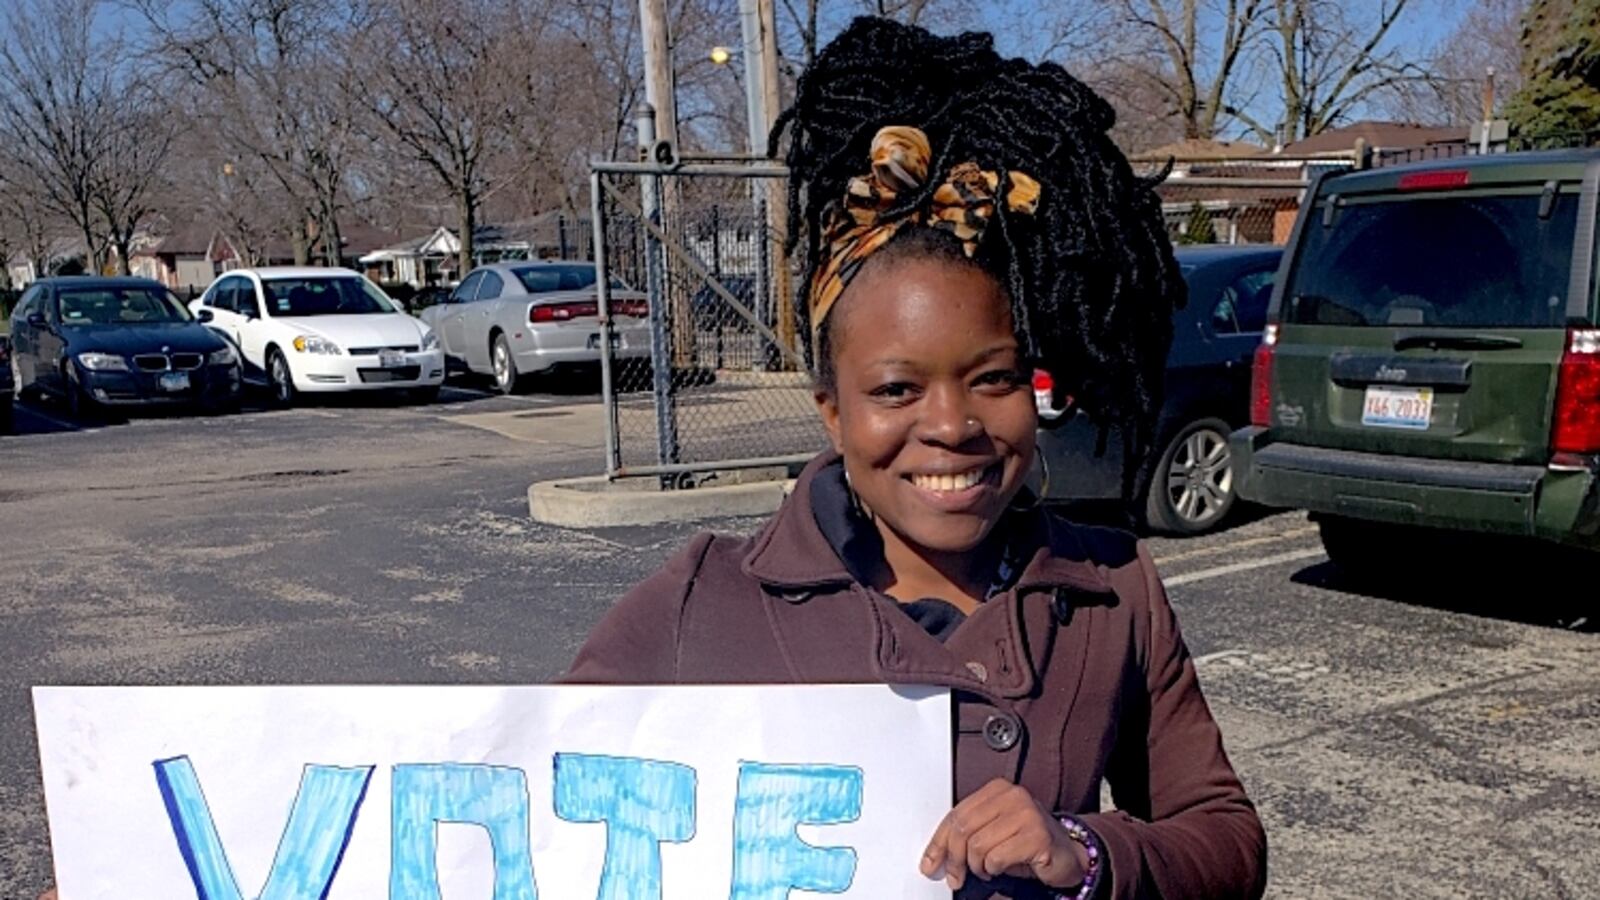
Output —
<point x="722" y="55"/>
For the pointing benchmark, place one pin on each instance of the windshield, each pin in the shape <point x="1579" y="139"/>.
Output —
<point x="136" y="305"/>
<point x="1474" y="262"/>
<point x="328" y="296"/>
<point x="551" y="279"/>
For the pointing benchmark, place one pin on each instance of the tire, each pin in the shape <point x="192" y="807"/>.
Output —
<point x="81" y="407"/>
<point x="280" y="381"/>
<point x="7" y="416"/>
<point x="503" y="365"/>
<point x="27" y="392"/>
<point x="1192" y="488"/>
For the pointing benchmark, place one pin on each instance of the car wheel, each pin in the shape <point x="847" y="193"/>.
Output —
<point x="27" y="391"/>
<point x="1192" y="488"/>
<point x="6" y="415"/>
<point x="280" y="379"/>
<point x="504" y="366"/>
<point x="80" y="406"/>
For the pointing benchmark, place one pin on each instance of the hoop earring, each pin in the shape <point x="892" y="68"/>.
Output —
<point x="1044" y="484"/>
<point x="855" y="500"/>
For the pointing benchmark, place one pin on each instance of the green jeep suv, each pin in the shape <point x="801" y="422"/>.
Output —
<point x="1433" y="357"/>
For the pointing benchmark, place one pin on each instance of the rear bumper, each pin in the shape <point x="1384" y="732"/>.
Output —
<point x="1536" y="501"/>
<point x="542" y="347"/>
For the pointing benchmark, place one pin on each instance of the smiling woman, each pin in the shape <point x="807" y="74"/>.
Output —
<point x="966" y="221"/>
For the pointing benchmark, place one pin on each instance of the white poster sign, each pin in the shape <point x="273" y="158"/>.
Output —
<point x="510" y="793"/>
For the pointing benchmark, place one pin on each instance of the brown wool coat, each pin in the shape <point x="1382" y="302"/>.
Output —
<point x="1082" y="662"/>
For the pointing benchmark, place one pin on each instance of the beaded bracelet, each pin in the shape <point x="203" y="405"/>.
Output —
<point x="1091" y="844"/>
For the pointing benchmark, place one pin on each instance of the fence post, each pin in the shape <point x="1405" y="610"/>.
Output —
<point x="765" y="307"/>
<point x="716" y="271"/>
<point x="561" y="234"/>
<point x="602" y="281"/>
<point x="661" y="342"/>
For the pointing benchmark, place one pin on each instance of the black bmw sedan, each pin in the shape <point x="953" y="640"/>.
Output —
<point x="107" y="342"/>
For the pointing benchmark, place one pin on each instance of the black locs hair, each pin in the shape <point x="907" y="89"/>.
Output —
<point x="1091" y="276"/>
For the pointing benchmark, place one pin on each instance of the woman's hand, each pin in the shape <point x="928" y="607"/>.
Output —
<point x="1002" y="830"/>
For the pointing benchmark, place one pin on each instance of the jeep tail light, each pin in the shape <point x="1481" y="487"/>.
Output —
<point x="1577" y="410"/>
<point x="1435" y="181"/>
<point x="1261" y="379"/>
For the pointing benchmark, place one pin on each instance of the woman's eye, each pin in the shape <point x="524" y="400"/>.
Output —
<point x="1006" y="379"/>
<point x="894" y="390"/>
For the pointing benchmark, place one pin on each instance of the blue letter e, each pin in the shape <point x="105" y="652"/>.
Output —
<point x="769" y="859"/>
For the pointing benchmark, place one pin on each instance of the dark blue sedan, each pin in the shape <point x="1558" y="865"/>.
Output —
<point x="107" y="342"/>
<point x="1191" y="488"/>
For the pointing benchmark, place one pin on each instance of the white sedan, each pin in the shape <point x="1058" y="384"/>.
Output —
<point x="322" y="329"/>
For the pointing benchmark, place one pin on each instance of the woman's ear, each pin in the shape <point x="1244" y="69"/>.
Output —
<point x="828" y="408"/>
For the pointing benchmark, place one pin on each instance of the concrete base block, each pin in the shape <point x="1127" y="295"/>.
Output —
<point x="595" y="502"/>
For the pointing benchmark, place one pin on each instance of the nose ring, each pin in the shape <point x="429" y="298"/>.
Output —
<point x="972" y="422"/>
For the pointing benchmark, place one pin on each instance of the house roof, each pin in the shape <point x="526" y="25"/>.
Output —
<point x="1196" y="148"/>
<point x="193" y="239"/>
<point x="1379" y="136"/>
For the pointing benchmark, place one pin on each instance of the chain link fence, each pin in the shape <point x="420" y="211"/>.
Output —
<point x="702" y="369"/>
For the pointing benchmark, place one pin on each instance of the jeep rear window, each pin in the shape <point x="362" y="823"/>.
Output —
<point x="1460" y="261"/>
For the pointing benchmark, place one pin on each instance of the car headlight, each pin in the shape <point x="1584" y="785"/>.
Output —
<point x="103" y="362"/>
<point x="313" y="344"/>
<point x="430" y="341"/>
<point x="223" y="357"/>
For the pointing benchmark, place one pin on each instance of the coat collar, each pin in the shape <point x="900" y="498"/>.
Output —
<point x="792" y="555"/>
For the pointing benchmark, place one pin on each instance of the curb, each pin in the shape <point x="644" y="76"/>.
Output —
<point x="747" y="378"/>
<point x="595" y="502"/>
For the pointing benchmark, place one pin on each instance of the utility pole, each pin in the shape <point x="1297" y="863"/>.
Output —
<point x="658" y="81"/>
<point x="759" y="26"/>
<point x="660" y="91"/>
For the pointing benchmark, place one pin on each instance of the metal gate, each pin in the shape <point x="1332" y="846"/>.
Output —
<point x="700" y="368"/>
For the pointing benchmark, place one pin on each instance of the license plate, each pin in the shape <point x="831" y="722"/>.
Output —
<point x="594" y="341"/>
<point x="175" y="381"/>
<point x="1388" y="407"/>
<point x="391" y="359"/>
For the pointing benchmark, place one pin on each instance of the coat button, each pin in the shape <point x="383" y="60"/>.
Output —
<point x="978" y="670"/>
<point x="1001" y="732"/>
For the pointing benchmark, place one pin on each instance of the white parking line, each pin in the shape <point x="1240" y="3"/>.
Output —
<point x="1231" y="546"/>
<point x="1235" y="568"/>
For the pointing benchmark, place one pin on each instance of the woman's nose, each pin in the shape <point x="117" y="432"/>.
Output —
<point x="947" y="420"/>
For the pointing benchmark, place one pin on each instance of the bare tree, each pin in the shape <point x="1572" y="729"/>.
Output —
<point x="1488" y="37"/>
<point x="133" y="172"/>
<point x="442" y="86"/>
<point x="1199" y="59"/>
<point x="54" y="102"/>
<point x="1334" y="59"/>
<point x="275" y="87"/>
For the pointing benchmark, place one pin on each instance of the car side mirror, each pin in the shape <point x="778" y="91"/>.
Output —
<point x="37" y="320"/>
<point x="206" y="315"/>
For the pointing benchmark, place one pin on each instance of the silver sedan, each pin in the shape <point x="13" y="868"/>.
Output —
<point x="517" y="318"/>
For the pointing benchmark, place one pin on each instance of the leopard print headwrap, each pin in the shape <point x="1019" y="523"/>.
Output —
<point x="855" y="228"/>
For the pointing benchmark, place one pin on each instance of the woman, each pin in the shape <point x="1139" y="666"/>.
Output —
<point x="964" y="219"/>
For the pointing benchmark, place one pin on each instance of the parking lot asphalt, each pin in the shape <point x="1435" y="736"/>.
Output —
<point x="1441" y="741"/>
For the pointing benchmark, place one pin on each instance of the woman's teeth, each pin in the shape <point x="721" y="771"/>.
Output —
<point x="948" y="483"/>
